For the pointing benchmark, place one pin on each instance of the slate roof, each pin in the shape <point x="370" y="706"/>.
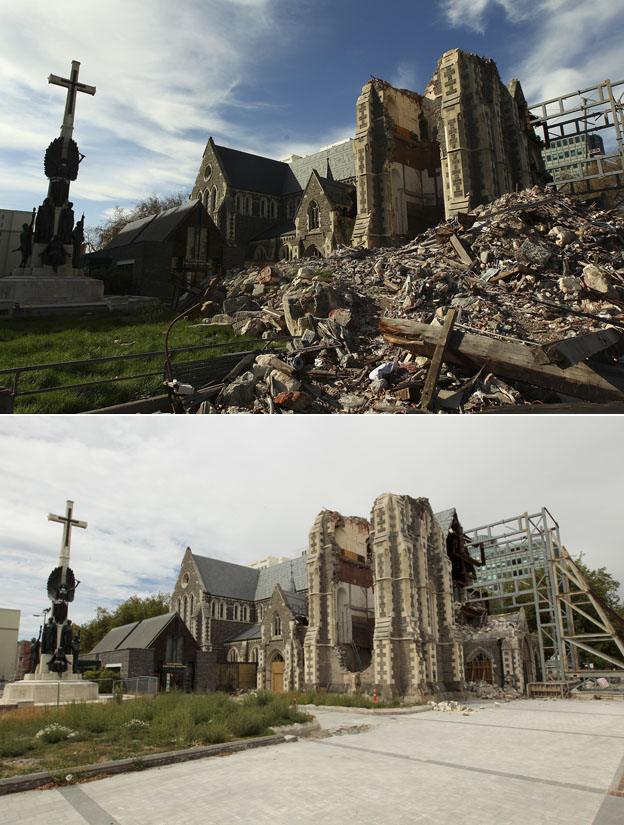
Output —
<point x="338" y="194"/>
<point x="222" y="578"/>
<point x="155" y="228"/>
<point x="282" y="574"/>
<point x="252" y="172"/>
<point x="339" y="160"/>
<point x="252" y="632"/>
<point x="445" y="519"/>
<point x="297" y="603"/>
<point x="255" y="173"/>
<point x="136" y="635"/>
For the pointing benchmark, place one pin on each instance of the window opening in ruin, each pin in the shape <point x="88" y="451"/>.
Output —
<point x="213" y="199"/>
<point x="273" y="209"/>
<point x="222" y="610"/>
<point x="236" y="612"/>
<point x="314" y="216"/>
<point x="232" y="655"/>
<point x="277" y="626"/>
<point x="263" y="208"/>
<point x="479" y="669"/>
<point x="254" y="655"/>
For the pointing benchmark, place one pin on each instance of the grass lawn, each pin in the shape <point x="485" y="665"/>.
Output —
<point x="50" y="340"/>
<point x="92" y="733"/>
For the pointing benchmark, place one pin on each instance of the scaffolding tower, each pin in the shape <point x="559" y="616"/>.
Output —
<point x="524" y="564"/>
<point x="598" y="108"/>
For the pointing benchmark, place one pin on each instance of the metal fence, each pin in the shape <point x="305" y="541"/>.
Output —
<point x="15" y="374"/>
<point x="136" y="686"/>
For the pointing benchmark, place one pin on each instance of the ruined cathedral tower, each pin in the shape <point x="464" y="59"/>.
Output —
<point x="414" y="649"/>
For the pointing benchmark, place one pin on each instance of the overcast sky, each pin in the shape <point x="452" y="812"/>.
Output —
<point x="267" y="76"/>
<point x="241" y="487"/>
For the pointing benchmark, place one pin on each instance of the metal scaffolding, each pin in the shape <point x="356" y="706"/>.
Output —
<point x="525" y="565"/>
<point x="598" y="108"/>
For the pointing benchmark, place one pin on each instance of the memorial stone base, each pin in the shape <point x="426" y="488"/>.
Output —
<point x="42" y="289"/>
<point x="45" y="688"/>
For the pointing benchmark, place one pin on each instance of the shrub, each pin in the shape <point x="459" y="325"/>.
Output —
<point x="248" y="722"/>
<point x="212" y="733"/>
<point x="54" y="733"/>
<point x="136" y="725"/>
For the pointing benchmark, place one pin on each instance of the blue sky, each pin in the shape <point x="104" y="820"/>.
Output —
<point x="243" y="488"/>
<point x="270" y="76"/>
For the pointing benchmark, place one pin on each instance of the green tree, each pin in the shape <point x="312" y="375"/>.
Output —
<point x="602" y="584"/>
<point x="99" y="236"/>
<point x="132" y="610"/>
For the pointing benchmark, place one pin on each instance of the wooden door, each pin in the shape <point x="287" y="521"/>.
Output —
<point x="277" y="675"/>
<point x="479" y="669"/>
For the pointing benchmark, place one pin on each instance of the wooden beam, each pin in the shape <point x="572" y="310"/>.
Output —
<point x="571" y="351"/>
<point x="508" y="360"/>
<point x="460" y="249"/>
<point x="431" y="382"/>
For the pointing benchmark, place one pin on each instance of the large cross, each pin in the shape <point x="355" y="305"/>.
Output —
<point x="68" y="523"/>
<point x="73" y="86"/>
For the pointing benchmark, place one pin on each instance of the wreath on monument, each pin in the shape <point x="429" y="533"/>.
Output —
<point x="56" y="166"/>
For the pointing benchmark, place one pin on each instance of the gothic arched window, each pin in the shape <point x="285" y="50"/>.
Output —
<point x="314" y="216"/>
<point x="213" y="198"/>
<point x="277" y="625"/>
<point x="232" y="655"/>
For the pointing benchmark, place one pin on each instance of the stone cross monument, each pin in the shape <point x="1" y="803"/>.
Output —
<point x="52" y="247"/>
<point x="54" y="675"/>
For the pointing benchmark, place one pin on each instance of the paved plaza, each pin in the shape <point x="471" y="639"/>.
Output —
<point x="519" y="763"/>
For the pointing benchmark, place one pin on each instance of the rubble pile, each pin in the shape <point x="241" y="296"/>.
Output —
<point x="531" y="268"/>
<point x="484" y="690"/>
<point x="451" y="707"/>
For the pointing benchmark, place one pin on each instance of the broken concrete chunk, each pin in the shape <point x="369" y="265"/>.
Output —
<point x="275" y="363"/>
<point x="597" y="279"/>
<point x="561" y="235"/>
<point x="296" y="401"/>
<point x="569" y="285"/>
<point x="534" y="252"/>
<point x="283" y="382"/>
<point x="240" y="393"/>
<point x="341" y="316"/>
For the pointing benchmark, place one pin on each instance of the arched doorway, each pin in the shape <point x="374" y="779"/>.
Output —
<point x="479" y="669"/>
<point x="313" y="252"/>
<point x="277" y="674"/>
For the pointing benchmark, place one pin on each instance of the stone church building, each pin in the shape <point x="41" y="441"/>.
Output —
<point x="412" y="160"/>
<point x="370" y="604"/>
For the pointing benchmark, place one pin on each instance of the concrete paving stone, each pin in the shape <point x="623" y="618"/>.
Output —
<point x="535" y="762"/>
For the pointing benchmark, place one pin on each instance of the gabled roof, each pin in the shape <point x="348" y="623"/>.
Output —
<point x="136" y="635"/>
<point x="283" y="574"/>
<point x="252" y="172"/>
<point x="222" y="578"/>
<point x="155" y="228"/>
<point x="445" y="519"/>
<point x="338" y="194"/>
<point x="252" y="632"/>
<point x="297" y="603"/>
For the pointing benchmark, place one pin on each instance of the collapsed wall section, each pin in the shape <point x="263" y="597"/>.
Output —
<point x="339" y="584"/>
<point x="487" y="145"/>
<point x="397" y="165"/>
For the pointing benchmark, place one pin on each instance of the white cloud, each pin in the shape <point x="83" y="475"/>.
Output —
<point x="572" y="44"/>
<point x="162" y="71"/>
<point x="242" y="488"/>
<point x="404" y="76"/>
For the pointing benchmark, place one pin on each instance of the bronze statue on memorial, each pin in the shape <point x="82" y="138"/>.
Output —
<point x="66" y="223"/>
<point x="78" y="237"/>
<point x="44" y="225"/>
<point x="26" y="241"/>
<point x="54" y="254"/>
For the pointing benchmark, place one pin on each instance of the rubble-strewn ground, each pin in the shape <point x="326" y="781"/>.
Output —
<point x="544" y="268"/>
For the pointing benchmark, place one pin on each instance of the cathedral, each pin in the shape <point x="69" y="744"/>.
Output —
<point x="413" y="159"/>
<point x="371" y="604"/>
